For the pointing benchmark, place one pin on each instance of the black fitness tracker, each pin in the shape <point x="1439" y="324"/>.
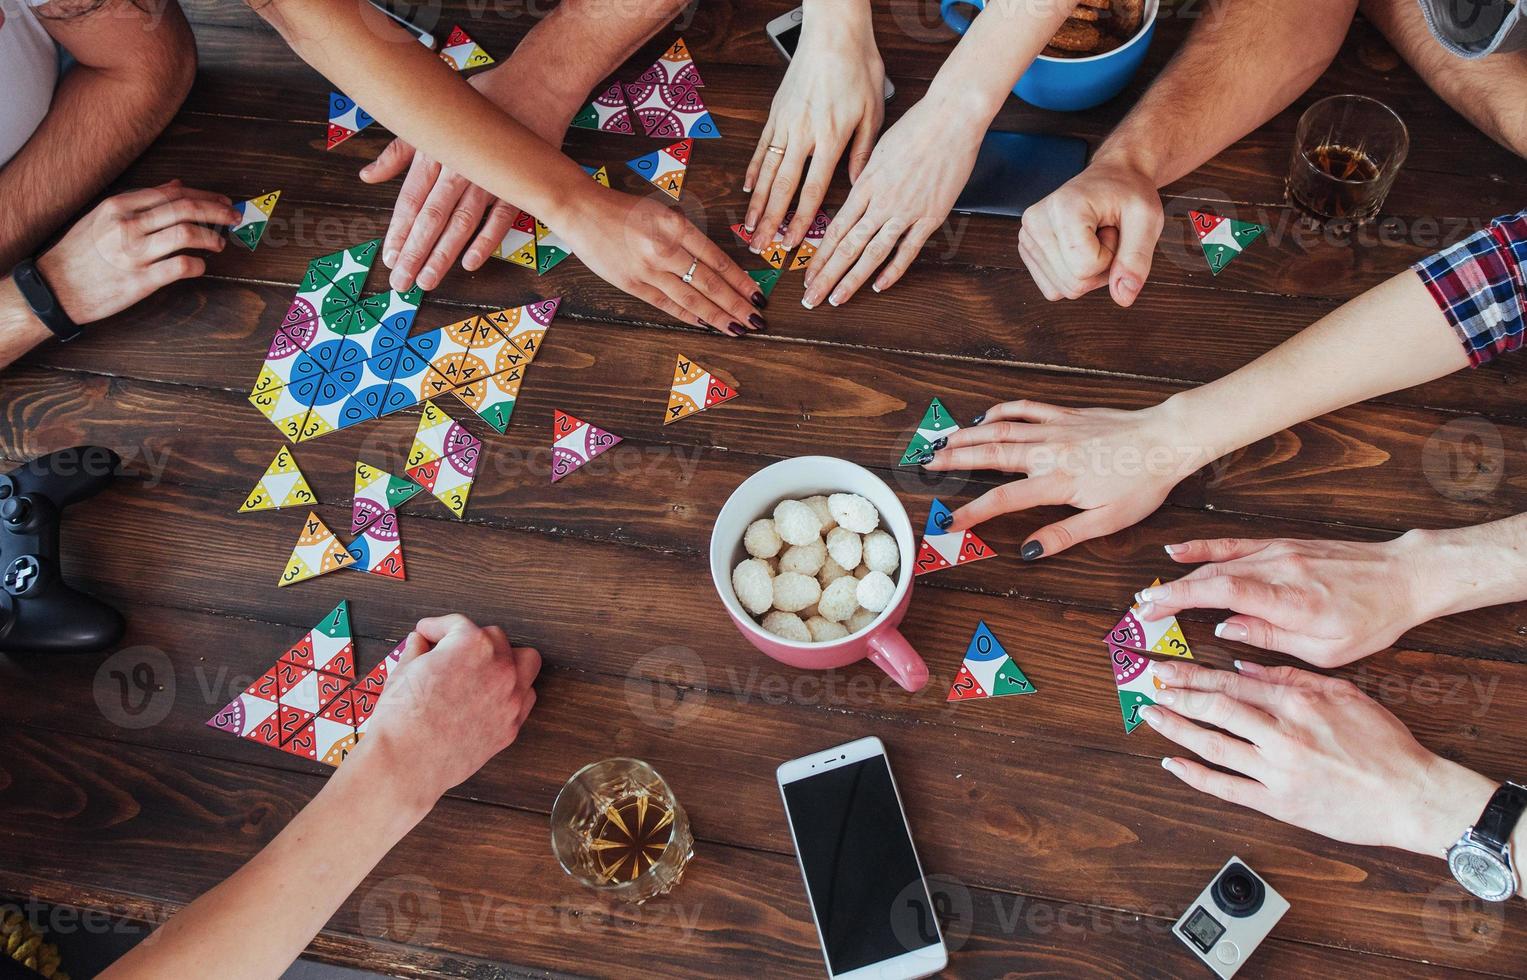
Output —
<point x="1481" y="858"/>
<point x="43" y="304"/>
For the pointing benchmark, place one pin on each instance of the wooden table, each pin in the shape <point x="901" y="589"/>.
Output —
<point x="1063" y="847"/>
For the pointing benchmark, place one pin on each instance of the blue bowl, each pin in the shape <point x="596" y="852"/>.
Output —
<point x="1070" y="84"/>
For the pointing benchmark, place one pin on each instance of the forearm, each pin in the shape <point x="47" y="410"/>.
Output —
<point x="20" y="331"/>
<point x="999" y="46"/>
<point x="418" y="97"/>
<point x="1392" y="337"/>
<point x="586" y="40"/>
<point x="100" y="120"/>
<point x="1471" y="567"/>
<point x="327" y="850"/>
<point x="1453" y="799"/>
<point x="1244" y="62"/>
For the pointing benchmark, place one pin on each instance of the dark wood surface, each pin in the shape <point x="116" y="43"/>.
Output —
<point x="1066" y="848"/>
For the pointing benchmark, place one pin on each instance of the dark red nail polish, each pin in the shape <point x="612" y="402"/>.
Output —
<point x="757" y="321"/>
<point x="760" y="300"/>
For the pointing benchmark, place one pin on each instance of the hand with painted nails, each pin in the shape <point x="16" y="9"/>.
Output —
<point x="439" y="213"/>
<point x="1098" y="229"/>
<point x="1326" y="602"/>
<point x="1315" y="752"/>
<point x="832" y="94"/>
<point x="656" y="254"/>
<point x="914" y="175"/>
<point x="1114" y="466"/>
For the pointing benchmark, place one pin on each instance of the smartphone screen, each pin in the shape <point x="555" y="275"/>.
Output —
<point x="861" y="871"/>
<point x="1014" y="171"/>
<point x="789" y="38"/>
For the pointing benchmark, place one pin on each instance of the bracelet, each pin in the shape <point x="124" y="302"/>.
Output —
<point x="40" y="300"/>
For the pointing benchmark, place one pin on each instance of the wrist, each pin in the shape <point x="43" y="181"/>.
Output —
<point x="1132" y="155"/>
<point x="1466" y="568"/>
<point x="1192" y="421"/>
<point x="1451" y="798"/>
<point x="17" y="322"/>
<point x="51" y="265"/>
<point x="382" y="764"/>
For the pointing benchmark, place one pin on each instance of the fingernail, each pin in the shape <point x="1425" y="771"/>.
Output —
<point x="1150" y="714"/>
<point x="1250" y="669"/>
<point x="875" y="286"/>
<point x="749" y="224"/>
<point x="1128" y="286"/>
<point x="1168" y="672"/>
<point x="1171" y="766"/>
<point x="806" y="279"/>
<point x="1031" y="550"/>
<point x="703" y="324"/>
<point x="807" y="303"/>
<point x="739" y="328"/>
<point x="1176" y="549"/>
<point x="754" y="248"/>
<point x="1166" y="696"/>
<point x="757" y="321"/>
<point x="747" y="188"/>
<point x="760" y="300"/>
<point x="940" y="443"/>
<point x="923" y="458"/>
<point x="389" y="256"/>
<point x="978" y="419"/>
<point x="1147" y="610"/>
<point x="1232" y="631"/>
<point x="1154" y="594"/>
<point x="836" y="299"/>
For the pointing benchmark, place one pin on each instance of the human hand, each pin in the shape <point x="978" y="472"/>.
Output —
<point x="832" y="92"/>
<point x="133" y="244"/>
<point x="1097" y="229"/>
<point x="645" y="249"/>
<point x="1315" y="752"/>
<point x="904" y="194"/>
<point x="1326" y="602"/>
<point x="456" y="698"/>
<point x="438" y="211"/>
<point x="1115" y="466"/>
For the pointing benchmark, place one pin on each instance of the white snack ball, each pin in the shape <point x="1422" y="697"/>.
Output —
<point x="819" y="504"/>
<point x="846" y="547"/>
<point x="831" y="572"/>
<point x="787" y="625"/>
<point x="840" y="599"/>
<point x="761" y="540"/>
<point x="881" y="553"/>
<point x="823" y="630"/>
<point x="754" y="585"/>
<point x="874" y="591"/>
<point x="794" y="591"/>
<point x="853" y="512"/>
<point x="796" y="523"/>
<point x="860" y="620"/>
<point x="806" y="559"/>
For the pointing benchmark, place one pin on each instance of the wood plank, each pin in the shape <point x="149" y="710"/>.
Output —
<point x="1372" y="460"/>
<point x="667" y="502"/>
<point x="462" y="900"/>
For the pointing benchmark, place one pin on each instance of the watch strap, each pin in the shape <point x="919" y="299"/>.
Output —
<point x="40" y="299"/>
<point x="1496" y="823"/>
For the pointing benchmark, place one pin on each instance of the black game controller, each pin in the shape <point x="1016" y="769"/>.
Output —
<point x="38" y="612"/>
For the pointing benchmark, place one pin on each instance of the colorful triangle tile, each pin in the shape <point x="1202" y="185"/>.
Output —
<point x="939" y="518"/>
<point x="376" y="493"/>
<point x="379" y="548"/>
<point x="937" y="424"/>
<point x="988" y="671"/>
<point x="1135" y="676"/>
<point x="940" y="551"/>
<point x="811" y="241"/>
<point x="674" y="67"/>
<point x="575" y="442"/>
<point x="462" y="53"/>
<point x="607" y="113"/>
<point x="1222" y="239"/>
<point x="665" y="168"/>
<point x="328" y="646"/>
<point x="317" y="552"/>
<point x="345" y="119"/>
<point x="767" y="279"/>
<point x="1155" y="636"/>
<point x="253" y="216"/>
<point x="283" y="485"/>
<point x="773" y="253"/>
<point x="671" y="111"/>
<point x="694" y="389"/>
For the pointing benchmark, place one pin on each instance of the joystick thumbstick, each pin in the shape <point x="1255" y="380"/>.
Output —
<point x="7" y="486"/>
<point x="15" y="510"/>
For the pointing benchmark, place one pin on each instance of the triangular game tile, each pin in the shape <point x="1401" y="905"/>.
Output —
<point x="575" y="442"/>
<point x="674" y="67"/>
<point x="376" y="493"/>
<point x="937" y="424"/>
<point x="317" y="552"/>
<point x="1222" y="239"/>
<point x="988" y="671"/>
<point x="462" y="53"/>
<point x="1135" y="676"/>
<point x="283" y="485"/>
<point x="379" y="549"/>
<point x="345" y="119"/>
<point x="1156" y="636"/>
<point x="253" y="216"/>
<point x="767" y="279"/>
<point x="607" y="113"/>
<point x="694" y="389"/>
<point x="665" y="168"/>
<point x="811" y="241"/>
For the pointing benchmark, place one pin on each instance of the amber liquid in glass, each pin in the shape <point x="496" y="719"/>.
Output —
<point x="630" y="836"/>
<point x="1351" y="190"/>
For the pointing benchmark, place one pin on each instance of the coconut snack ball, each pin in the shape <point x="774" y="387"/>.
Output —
<point x="817" y="569"/>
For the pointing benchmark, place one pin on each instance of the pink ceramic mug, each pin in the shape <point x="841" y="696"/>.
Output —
<point x="796" y="479"/>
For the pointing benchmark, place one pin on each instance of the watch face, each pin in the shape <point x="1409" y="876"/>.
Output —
<point x="1481" y="872"/>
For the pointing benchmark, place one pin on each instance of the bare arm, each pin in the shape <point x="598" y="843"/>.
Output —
<point x="134" y="68"/>
<point x="1242" y="65"/>
<point x="1487" y="92"/>
<point x="456" y="698"/>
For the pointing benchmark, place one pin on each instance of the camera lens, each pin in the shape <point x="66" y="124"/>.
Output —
<point x="1238" y="892"/>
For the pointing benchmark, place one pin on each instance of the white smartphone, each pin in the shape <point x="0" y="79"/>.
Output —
<point x="785" y="32"/>
<point x="874" y="916"/>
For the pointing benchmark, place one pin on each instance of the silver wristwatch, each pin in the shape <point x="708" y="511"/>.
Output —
<point x="1481" y="859"/>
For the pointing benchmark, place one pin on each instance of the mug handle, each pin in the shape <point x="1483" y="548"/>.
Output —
<point x="891" y="652"/>
<point x="957" y="20"/>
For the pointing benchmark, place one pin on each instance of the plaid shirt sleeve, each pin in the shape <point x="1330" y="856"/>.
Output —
<point x="1481" y="286"/>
